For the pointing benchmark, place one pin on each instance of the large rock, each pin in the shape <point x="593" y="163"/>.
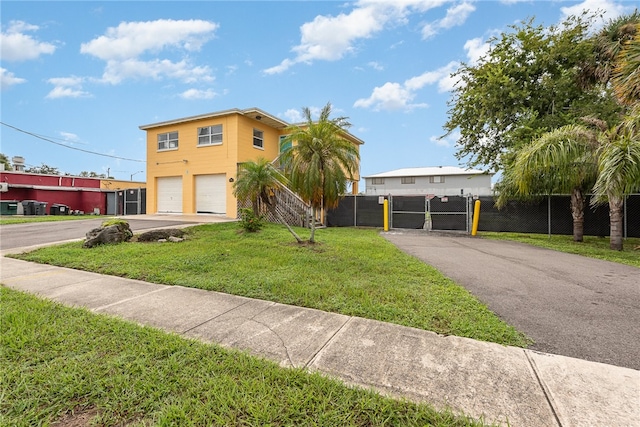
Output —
<point x="155" y="235"/>
<point x="116" y="233"/>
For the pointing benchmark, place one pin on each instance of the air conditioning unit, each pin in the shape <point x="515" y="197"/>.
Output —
<point x="4" y="187"/>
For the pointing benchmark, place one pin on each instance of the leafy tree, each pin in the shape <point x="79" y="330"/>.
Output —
<point x="92" y="174"/>
<point x="320" y="162"/>
<point x="530" y="82"/>
<point x="258" y="181"/>
<point x="5" y="161"/>
<point x="43" y="169"/>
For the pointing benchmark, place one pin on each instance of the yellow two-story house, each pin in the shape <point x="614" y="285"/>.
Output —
<point x="192" y="162"/>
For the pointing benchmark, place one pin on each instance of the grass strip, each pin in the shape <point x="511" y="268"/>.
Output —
<point x="60" y="363"/>
<point x="352" y="271"/>
<point x="592" y="246"/>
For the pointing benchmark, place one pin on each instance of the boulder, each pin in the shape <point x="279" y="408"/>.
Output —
<point x="115" y="233"/>
<point x="156" y="235"/>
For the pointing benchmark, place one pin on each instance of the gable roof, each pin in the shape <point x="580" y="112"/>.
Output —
<point x="428" y="171"/>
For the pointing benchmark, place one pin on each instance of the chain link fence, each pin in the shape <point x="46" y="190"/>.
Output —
<point x="546" y="215"/>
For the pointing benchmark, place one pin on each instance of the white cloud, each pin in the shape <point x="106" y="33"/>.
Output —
<point x="449" y="141"/>
<point x="192" y="94"/>
<point x="117" y="71"/>
<point x="68" y="136"/>
<point x="67" y="87"/>
<point x="476" y="48"/>
<point x="376" y="66"/>
<point x="17" y="46"/>
<point x="396" y="96"/>
<point x="610" y="9"/>
<point x="293" y="116"/>
<point x="390" y="96"/>
<point x="8" y="79"/>
<point x="456" y="15"/>
<point x="123" y="46"/>
<point x="132" y="39"/>
<point x="330" y="38"/>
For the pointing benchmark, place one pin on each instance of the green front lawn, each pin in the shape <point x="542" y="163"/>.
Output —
<point x="60" y="365"/>
<point x="351" y="271"/>
<point x="594" y="247"/>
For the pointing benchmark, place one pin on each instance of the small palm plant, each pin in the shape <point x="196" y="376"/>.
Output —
<point x="257" y="182"/>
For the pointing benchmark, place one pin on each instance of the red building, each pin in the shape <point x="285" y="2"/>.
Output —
<point x="88" y="195"/>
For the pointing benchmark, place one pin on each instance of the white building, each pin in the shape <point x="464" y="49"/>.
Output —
<point x="438" y="181"/>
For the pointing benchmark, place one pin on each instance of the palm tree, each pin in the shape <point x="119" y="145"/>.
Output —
<point x="618" y="171"/>
<point x="609" y="44"/>
<point x="257" y="182"/>
<point x="320" y="162"/>
<point x="560" y="161"/>
<point x="626" y="73"/>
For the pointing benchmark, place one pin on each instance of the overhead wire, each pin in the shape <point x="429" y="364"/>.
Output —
<point x="67" y="146"/>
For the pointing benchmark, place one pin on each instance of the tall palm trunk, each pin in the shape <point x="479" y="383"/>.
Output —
<point x="615" y="219"/>
<point x="577" y="212"/>
<point x="312" y="237"/>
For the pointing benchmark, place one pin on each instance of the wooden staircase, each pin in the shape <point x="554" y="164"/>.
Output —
<point x="290" y="207"/>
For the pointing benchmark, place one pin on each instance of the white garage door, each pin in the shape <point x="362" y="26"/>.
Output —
<point x="169" y="194"/>
<point x="211" y="194"/>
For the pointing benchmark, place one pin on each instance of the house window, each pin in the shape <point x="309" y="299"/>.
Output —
<point x="436" y="179"/>
<point x="377" y="181"/>
<point x="258" y="138"/>
<point x="167" y="141"/>
<point x="210" y="135"/>
<point x="408" y="180"/>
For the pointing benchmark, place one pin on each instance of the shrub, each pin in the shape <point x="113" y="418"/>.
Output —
<point x="249" y="221"/>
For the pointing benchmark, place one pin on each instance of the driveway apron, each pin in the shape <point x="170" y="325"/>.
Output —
<point x="568" y="304"/>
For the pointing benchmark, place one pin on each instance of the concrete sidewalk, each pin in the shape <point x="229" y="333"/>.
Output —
<point x="505" y="385"/>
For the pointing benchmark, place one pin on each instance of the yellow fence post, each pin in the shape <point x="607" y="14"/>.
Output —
<point x="476" y="218"/>
<point x="386" y="214"/>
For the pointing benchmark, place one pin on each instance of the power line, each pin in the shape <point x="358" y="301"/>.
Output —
<point x="67" y="146"/>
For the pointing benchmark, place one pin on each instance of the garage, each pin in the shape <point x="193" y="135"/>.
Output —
<point x="211" y="194"/>
<point x="170" y="194"/>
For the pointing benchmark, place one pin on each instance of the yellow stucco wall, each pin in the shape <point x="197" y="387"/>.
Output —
<point x="116" y="184"/>
<point x="190" y="160"/>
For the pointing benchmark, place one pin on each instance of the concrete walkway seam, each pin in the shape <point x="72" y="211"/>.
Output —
<point x="214" y="318"/>
<point x="329" y="341"/>
<point x="104" y="307"/>
<point x="547" y="396"/>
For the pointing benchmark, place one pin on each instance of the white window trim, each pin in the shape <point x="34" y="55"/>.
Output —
<point x="377" y="181"/>
<point x="167" y="141"/>
<point x="221" y="133"/>
<point x="253" y="141"/>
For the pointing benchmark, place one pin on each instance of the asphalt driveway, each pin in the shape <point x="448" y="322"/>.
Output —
<point x="568" y="304"/>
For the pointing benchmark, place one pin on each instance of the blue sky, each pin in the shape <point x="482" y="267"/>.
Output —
<point x="86" y="74"/>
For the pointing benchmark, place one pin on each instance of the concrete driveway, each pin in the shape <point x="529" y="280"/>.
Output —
<point x="568" y="304"/>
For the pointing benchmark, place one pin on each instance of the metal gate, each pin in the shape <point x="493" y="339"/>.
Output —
<point x="131" y="201"/>
<point x="444" y="213"/>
